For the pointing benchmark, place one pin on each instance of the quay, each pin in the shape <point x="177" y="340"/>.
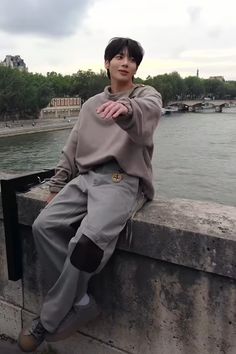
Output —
<point x="171" y="290"/>
<point x="21" y="127"/>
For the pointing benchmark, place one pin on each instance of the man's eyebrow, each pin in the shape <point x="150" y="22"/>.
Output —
<point x="122" y="52"/>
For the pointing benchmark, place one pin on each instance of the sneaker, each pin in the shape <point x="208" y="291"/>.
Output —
<point x="30" y="338"/>
<point x="75" y="318"/>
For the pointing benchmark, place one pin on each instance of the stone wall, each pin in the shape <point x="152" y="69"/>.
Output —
<point x="172" y="290"/>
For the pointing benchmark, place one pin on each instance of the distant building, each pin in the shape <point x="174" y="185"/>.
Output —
<point x="62" y="107"/>
<point x="14" y="62"/>
<point x="219" y="78"/>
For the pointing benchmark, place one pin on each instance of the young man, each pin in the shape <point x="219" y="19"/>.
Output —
<point x="105" y="174"/>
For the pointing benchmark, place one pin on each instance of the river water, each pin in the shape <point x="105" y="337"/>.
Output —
<point x="194" y="157"/>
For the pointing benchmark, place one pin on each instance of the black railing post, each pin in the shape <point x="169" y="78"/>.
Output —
<point x="9" y="188"/>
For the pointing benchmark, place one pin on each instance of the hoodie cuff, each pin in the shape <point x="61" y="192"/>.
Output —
<point x="127" y="104"/>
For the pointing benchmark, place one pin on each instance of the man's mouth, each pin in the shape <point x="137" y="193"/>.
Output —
<point x="123" y="72"/>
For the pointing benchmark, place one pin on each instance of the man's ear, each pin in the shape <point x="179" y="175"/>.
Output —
<point x="107" y="64"/>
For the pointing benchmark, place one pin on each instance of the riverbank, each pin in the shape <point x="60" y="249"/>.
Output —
<point x="35" y="126"/>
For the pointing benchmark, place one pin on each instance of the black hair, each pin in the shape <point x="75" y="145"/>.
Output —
<point x="117" y="45"/>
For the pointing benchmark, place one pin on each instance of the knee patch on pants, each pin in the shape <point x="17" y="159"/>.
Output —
<point x="86" y="255"/>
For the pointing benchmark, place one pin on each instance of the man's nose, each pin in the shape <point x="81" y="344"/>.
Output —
<point x="125" y="61"/>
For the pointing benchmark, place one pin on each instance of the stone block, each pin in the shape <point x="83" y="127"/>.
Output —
<point x="33" y="288"/>
<point x="199" y="235"/>
<point x="31" y="203"/>
<point x="153" y="307"/>
<point x="10" y="319"/>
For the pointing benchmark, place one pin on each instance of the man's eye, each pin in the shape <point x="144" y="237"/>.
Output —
<point x="119" y="56"/>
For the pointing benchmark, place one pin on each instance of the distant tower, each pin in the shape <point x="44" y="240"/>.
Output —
<point x="197" y="72"/>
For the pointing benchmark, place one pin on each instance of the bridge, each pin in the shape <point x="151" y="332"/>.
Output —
<point x="200" y="105"/>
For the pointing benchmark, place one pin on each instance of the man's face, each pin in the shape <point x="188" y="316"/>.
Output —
<point x="122" y="67"/>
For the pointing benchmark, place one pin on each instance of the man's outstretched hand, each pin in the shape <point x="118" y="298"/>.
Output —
<point x="111" y="110"/>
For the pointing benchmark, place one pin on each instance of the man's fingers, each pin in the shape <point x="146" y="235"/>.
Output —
<point x="104" y="106"/>
<point x="119" y="112"/>
<point x="106" y="110"/>
<point x="111" y="109"/>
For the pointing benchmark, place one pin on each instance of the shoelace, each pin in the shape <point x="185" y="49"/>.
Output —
<point x="38" y="331"/>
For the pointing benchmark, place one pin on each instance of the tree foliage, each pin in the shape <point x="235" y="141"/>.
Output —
<point x="23" y="94"/>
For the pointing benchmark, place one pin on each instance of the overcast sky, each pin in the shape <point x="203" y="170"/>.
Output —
<point x="70" y="35"/>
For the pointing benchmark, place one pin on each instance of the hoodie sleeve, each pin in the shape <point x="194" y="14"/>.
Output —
<point x="144" y="112"/>
<point x="65" y="169"/>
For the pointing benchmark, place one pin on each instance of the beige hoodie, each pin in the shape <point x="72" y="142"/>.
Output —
<point x="127" y="139"/>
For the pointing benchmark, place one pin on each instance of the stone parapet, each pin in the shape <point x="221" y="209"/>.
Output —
<point x="196" y="234"/>
<point x="171" y="289"/>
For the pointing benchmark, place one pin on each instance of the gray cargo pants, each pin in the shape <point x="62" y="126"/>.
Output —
<point x="94" y="207"/>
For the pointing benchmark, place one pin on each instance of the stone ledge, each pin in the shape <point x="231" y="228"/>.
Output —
<point x="196" y="234"/>
<point x="149" y="304"/>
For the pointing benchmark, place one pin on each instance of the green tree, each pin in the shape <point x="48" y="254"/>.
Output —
<point x="178" y="85"/>
<point x="230" y="89"/>
<point x="214" y="88"/>
<point x="194" y="87"/>
<point x="24" y="94"/>
<point x="87" y="83"/>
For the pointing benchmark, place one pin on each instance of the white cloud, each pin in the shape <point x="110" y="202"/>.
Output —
<point x="42" y="17"/>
